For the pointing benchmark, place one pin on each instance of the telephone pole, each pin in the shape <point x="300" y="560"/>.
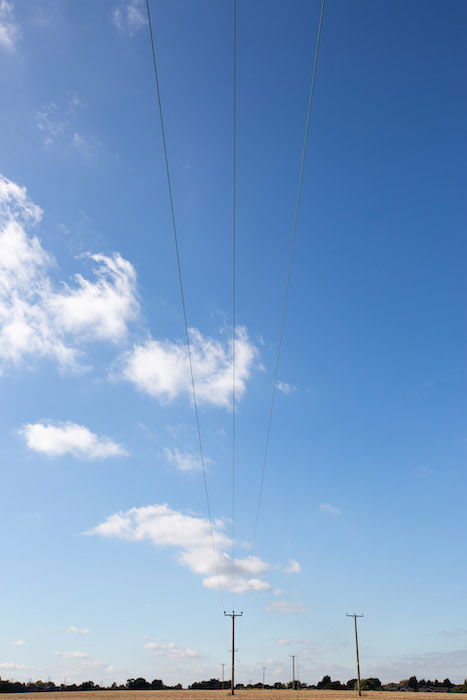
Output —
<point x="223" y="667"/>
<point x="264" y="671"/>
<point x="233" y="615"/>
<point x="293" y="657"/>
<point x="354" y="615"/>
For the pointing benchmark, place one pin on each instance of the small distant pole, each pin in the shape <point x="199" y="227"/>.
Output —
<point x="354" y="615"/>
<point x="293" y="657"/>
<point x="264" y="672"/>
<point x="223" y="675"/>
<point x="233" y="615"/>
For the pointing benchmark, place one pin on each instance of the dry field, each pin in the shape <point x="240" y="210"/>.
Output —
<point x="220" y="694"/>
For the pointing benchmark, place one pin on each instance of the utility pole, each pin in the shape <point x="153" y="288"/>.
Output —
<point x="264" y="671"/>
<point x="293" y="657"/>
<point x="233" y="615"/>
<point x="354" y="615"/>
<point x="223" y="667"/>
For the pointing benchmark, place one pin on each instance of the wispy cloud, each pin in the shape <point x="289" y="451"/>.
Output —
<point x="58" y="124"/>
<point x="328" y="508"/>
<point x="440" y="664"/>
<point x="191" y="536"/>
<point x="160" y="368"/>
<point x="286" y="388"/>
<point x="58" y="439"/>
<point x="49" y="122"/>
<point x="10" y="32"/>
<point x="11" y="666"/>
<point x="37" y="319"/>
<point x="184" y="461"/>
<point x="78" y="630"/>
<point x="454" y="632"/>
<point x="170" y="650"/>
<point x="72" y="654"/>
<point x="18" y="643"/>
<point x="129" y="17"/>
<point x="285" y="608"/>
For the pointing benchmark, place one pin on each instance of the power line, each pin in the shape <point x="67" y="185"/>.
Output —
<point x="234" y="269"/>
<point x="289" y="270"/>
<point x="182" y="292"/>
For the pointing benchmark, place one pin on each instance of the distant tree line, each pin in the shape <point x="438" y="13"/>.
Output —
<point x="411" y="684"/>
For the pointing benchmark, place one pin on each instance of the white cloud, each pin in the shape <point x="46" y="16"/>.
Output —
<point x="160" y="368"/>
<point x="78" y="630"/>
<point x="38" y="320"/>
<point x="15" y="203"/>
<point x="284" y="642"/>
<point x="57" y="439"/>
<point x="293" y="567"/>
<point x="285" y="608"/>
<point x="169" y="650"/>
<point x="286" y="388"/>
<point x="184" y="461"/>
<point x="328" y="508"/>
<point x="72" y="654"/>
<point x="101" y="309"/>
<point x="18" y="643"/>
<point x="9" y="31"/>
<point x="129" y="17"/>
<point x="191" y="536"/>
<point x="11" y="666"/>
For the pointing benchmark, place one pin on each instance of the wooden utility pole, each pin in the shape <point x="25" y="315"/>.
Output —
<point x="233" y="615"/>
<point x="354" y="615"/>
<point x="293" y="657"/>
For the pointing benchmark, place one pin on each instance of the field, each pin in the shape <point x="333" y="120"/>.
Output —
<point x="219" y="694"/>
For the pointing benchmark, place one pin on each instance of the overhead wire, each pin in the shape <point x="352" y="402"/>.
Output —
<point x="234" y="271"/>
<point x="182" y="294"/>
<point x="288" y="274"/>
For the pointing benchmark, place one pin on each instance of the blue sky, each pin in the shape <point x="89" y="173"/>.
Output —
<point x="109" y="567"/>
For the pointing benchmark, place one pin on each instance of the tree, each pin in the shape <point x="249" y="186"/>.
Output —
<point x="324" y="683"/>
<point x="371" y="684"/>
<point x="413" y="683"/>
<point x="137" y="684"/>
